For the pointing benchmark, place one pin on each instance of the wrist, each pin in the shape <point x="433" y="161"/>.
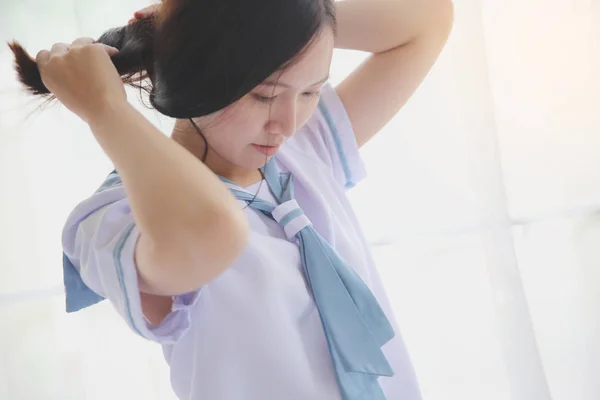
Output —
<point x="106" y="110"/>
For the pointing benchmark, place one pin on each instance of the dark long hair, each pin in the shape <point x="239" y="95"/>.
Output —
<point x="202" y="55"/>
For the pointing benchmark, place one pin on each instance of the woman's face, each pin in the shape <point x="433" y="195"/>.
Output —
<point x="244" y="135"/>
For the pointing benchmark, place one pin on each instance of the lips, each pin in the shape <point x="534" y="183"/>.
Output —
<point x="267" y="150"/>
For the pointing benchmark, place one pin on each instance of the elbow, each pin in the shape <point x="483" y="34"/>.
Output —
<point x="438" y="26"/>
<point x="445" y="17"/>
<point x="195" y="257"/>
<point x="230" y="232"/>
<point x="216" y="246"/>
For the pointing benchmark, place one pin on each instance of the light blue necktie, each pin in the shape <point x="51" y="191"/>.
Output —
<point x="355" y="326"/>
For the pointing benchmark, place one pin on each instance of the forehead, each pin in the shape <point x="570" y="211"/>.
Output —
<point x="312" y="65"/>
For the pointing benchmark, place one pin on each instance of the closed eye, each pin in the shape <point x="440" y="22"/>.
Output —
<point x="264" y="99"/>
<point x="270" y="99"/>
<point x="312" y="94"/>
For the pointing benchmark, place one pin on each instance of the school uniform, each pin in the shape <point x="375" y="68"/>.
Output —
<point x="256" y="331"/>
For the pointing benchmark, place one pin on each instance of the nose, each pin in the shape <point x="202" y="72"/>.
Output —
<point x="283" y="119"/>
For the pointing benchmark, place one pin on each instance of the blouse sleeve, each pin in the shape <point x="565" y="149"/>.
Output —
<point x="99" y="240"/>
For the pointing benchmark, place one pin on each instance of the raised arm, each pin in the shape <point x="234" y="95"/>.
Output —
<point x="191" y="227"/>
<point x="405" y="37"/>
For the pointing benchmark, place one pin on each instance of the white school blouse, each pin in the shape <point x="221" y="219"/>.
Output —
<point x="254" y="332"/>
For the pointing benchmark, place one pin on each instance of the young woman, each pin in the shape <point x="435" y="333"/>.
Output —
<point x="232" y="243"/>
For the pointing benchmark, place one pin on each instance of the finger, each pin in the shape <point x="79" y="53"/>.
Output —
<point x="59" y="49"/>
<point x="42" y="57"/>
<point x="146" y="11"/>
<point x="83" y="41"/>
<point x="143" y="12"/>
<point x="109" y="49"/>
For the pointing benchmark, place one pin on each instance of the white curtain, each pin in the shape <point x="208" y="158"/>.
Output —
<point x="482" y="206"/>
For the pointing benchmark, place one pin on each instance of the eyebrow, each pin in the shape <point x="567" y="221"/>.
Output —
<point x="272" y="82"/>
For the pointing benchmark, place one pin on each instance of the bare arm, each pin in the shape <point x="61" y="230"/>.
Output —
<point x="405" y="37"/>
<point x="191" y="227"/>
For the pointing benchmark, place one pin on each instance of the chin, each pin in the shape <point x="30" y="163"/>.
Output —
<point x="253" y="164"/>
<point x="260" y="162"/>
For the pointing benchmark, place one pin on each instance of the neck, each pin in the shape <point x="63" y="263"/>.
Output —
<point x="184" y="134"/>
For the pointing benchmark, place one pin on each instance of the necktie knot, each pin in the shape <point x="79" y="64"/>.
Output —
<point x="291" y="218"/>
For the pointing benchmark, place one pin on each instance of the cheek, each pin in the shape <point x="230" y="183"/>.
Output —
<point x="236" y="128"/>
